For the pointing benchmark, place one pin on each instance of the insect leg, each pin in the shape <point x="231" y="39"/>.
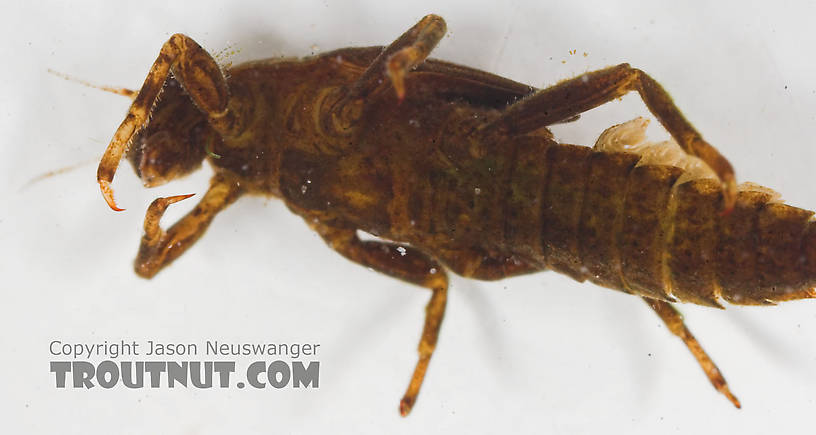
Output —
<point x="571" y="97"/>
<point x="674" y="321"/>
<point x="201" y="77"/>
<point x="392" y="64"/>
<point x="409" y="264"/>
<point x="404" y="54"/>
<point x="159" y="247"/>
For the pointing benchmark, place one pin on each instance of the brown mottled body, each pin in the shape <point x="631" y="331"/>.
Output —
<point x="456" y="168"/>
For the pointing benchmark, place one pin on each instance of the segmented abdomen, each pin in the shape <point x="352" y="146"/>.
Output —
<point x="599" y="216"/>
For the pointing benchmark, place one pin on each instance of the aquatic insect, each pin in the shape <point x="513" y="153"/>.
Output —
<point x="454" y="169"/>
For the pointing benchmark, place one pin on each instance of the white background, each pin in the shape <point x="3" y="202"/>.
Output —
<point x="533" y="354"/>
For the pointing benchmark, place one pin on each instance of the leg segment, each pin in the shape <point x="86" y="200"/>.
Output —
<point x="196" y="70"/>
<point x="404" y="54"/>
<point x="674" y="321"/>
<point x="408" y="264"/>
<point x="159" y="248"/>
<point x="590" y="90"/>
<point x="397" y="60"/>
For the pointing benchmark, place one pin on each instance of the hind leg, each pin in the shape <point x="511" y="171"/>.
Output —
<point x="408" y="264"/>
<point x="572" y="97"/>
<point x="674" y="321"/>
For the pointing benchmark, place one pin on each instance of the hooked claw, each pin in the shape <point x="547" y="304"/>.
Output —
<point x="107" y="193"/>
<point x="162" y="203"/>
<point x="155" y="212"/>
<point x="158" y="247"/>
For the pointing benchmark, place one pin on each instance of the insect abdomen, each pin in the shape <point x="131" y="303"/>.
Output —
<point x="636" y="229"/>
<point x="766" y="251"/>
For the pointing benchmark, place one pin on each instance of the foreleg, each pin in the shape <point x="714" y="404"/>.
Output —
<point x="200" y="76"/>
<point x="159" y="247"/>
